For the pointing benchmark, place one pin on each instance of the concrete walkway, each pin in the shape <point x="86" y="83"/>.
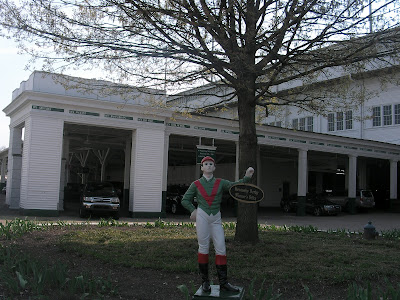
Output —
<point x="267" y="216"/>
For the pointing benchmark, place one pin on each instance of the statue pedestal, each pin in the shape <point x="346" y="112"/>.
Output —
<point x="217" y="294"/>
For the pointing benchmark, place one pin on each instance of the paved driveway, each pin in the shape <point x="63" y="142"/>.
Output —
<point x="269" y="216"/>
<point x="381" y="220"/>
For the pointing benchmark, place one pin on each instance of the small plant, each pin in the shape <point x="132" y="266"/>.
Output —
<point x="306" y="288"/>
<point x="229" y="225"/>
<point x="261" y="294"/>
<point x="356" y="292"/>
<point x="188" y="225"/>
<point x="184" y="289"/>
<point x="160" y="223"/>
<point x="391" y="234"/>
<point x="110" y="222"/>
<point x="20" y="273"/>
<point x="391" y="293"/>
<point x="148" y="225"/>
<point x="304" y="229"/>
<point x="17" y="227"/>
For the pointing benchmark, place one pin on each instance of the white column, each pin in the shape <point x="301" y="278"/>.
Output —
<point x="127" y="169"/>
<point x="147" y="171"/>
<point x="63" y="173"/>
<point x="41" y="167"/>
<point x="165" y="174"/>
<point x="302" y="180"/>
<point x="346" y="175"/>
<point x="302" y="173"/>
<point x="393" y="179"/>
<point x="14" y="168"/>
<point x="352" y="179"/>
<point x="3" y="169"/>
<point x="132" y="172"/>
<point x="165" y="167"/>
<point x="197" y="167"/>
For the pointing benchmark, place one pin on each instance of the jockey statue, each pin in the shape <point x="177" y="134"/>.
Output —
<point x="208" y="191"/>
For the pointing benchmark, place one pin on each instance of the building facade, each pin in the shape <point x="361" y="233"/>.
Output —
<point x="71" y="137"/>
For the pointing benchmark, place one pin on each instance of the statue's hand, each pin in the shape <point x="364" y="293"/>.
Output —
<point x="193" y="215"/>
<point x="249" y="172"/>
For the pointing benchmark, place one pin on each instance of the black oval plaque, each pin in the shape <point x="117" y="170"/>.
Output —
<point x="247" y="193"/>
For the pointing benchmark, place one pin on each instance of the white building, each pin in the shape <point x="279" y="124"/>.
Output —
<point x="71" y="136"/>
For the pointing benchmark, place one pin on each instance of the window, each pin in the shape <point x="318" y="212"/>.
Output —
<point x="349" y="119"/>
<point x="331" y="122"/>
<point x="302" y="124"/>
<point x="397" y="114"/>
<point x="310" y="124"/>
<point x="387" y="115"/>
<point x="376" y="116"/>
<point x="306" y="123"/>
<point x="295" y="123"/>
<point x="339" y="121"/>
<point x="276" y="124"/>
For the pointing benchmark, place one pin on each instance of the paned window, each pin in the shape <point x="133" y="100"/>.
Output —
<point x="349" y="119"/>
<point x="310" y="124"/>
<point x="397" y="114"/>
<point x="331" y="122"/>
<point x="376" y="116"/>
<point x="387" y="115"/>
<point x="339" y="121"/>
<point x="302" y="124"/>
<point x="305" y="123"/>
<point x="295" y="123"/>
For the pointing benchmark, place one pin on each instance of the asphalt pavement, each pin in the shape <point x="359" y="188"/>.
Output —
<point x="382" y="220"/>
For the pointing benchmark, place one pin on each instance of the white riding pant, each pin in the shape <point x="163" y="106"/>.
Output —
<point x="210" y="226"/>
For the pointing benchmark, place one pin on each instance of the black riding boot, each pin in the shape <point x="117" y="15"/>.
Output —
<point x="224" y="285"/>
<point x="205" y="285"/>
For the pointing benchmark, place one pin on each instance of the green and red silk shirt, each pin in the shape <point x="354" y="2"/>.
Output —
<point x="208" y="193"/>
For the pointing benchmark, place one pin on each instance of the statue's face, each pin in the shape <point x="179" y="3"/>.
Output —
<point x="208" y="167"/>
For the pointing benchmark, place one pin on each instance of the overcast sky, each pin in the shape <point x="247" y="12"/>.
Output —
<point x="11" y="75"/>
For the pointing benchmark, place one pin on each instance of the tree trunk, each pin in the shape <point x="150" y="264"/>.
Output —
<point x="247" y="224"/>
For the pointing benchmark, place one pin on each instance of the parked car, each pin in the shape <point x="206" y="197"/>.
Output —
<point x="289" y="204"/>
<point x="174" y="197"/>
<point x="364" y="199"/>
<point x="101" y="198"/>
<point x="3" y="190"/>
<point x="318" y="204"/>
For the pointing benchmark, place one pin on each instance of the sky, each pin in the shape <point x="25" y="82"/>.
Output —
<point x="13" y="72"/>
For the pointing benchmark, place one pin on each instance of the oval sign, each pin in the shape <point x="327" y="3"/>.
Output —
<point x="247" y="193"/>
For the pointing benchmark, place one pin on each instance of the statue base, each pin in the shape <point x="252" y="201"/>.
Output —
<point x="217" y="294"/>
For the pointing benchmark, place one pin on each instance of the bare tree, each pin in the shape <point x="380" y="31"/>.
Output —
<point x="251" y="46"/>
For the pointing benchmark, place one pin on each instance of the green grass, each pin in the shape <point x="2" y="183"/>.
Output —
<point x="284" y="254"/>
<point x="279" y="255"/>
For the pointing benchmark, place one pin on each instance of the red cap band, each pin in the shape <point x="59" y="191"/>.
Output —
<point x="208" y="158"/>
